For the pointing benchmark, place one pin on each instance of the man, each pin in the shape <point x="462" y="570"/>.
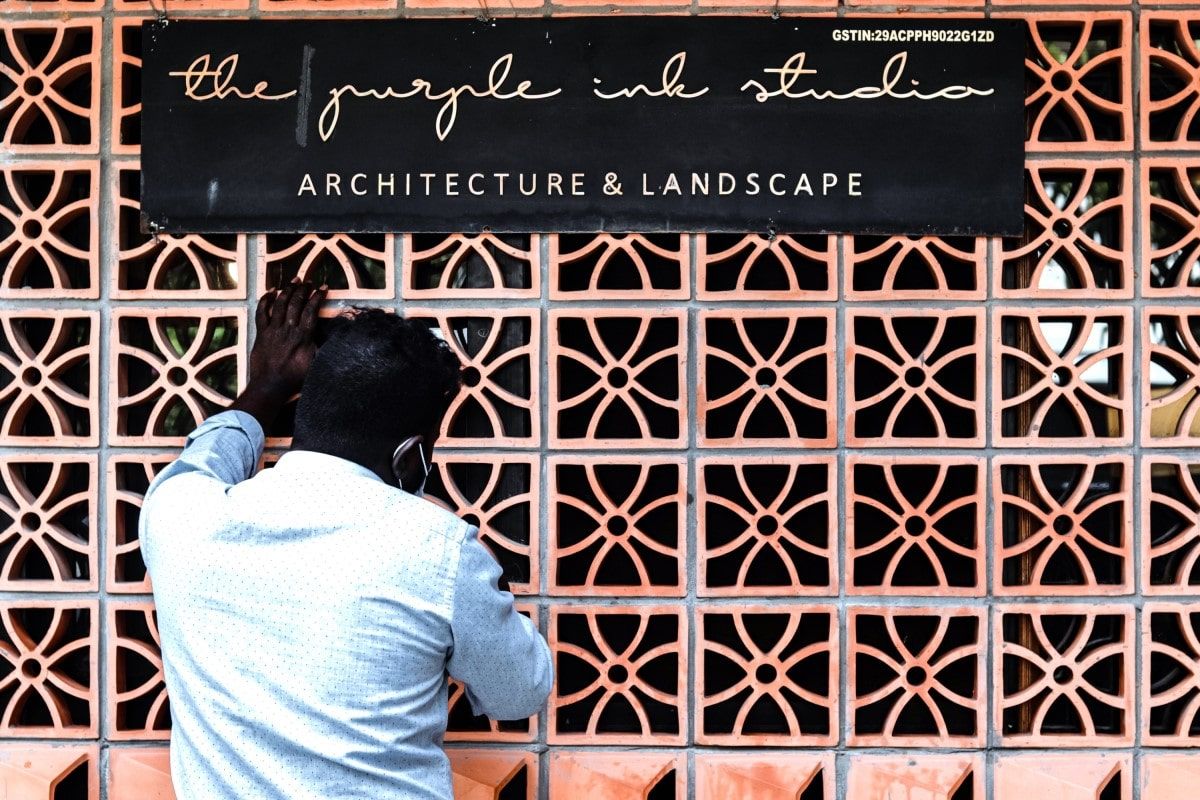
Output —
<point x="309" y="615"/>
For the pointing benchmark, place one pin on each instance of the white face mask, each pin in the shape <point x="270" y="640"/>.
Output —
<point x="398" y="456"/>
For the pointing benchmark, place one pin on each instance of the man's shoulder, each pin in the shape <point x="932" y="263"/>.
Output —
<point x="406" y="510"/>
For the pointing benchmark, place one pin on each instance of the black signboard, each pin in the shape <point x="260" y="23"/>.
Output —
<point x="584" y="124"/>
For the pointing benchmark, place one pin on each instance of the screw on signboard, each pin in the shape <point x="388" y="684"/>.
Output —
<point x="160" y="12"/>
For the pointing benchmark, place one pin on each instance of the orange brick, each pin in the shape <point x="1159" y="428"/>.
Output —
<point x="1044" y="384"/>
<point x="142" y="773"/>
<point x="617" y="378"/>
<point x="763" y="777"/>
<point x="470" y="266"/>
<point x="52" y="103"/>
<point x="1083" y="775"/>
<point x="618" y="266"/>
<point x="1078" y="240"/>
<point x="917" y="677"/>
<point x="631" y="776"/>
<point x="1047" y="659"/>
<point x="172" y="368"/>
<point x="51" y="395"/>
<point x="914" y="526"/>
<point x="39" y="771"/>
<point x="755" y="267"/>
<point x="766" y="378"/>
<point x="915" y="777"/>
<point x="617" y="526"/>
<point x="51" y="248"/>
<point x="914" y="377"/>
<point x="622" y="675"/>
<point x="48" y="541"/>
<point x="767" y="676"/>
<point x="767" y="525"/>
<point x="48" y="648"/>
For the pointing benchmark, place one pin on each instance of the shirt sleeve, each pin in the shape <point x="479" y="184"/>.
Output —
<point x="222" y="451"/>
<point x="226" y="448"/>
<point x="498" y="654"/>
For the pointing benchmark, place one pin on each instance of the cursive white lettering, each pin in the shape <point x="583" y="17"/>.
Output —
<point x="672" y="83"/>
<point x="448" y="112"/>
<point x="893" y="72"/>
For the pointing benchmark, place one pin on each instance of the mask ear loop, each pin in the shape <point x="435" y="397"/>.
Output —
<point x="398" y="455"/>
<point x="425" y="465"/>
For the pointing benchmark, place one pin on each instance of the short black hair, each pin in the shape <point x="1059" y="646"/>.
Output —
<point x="377" y="379"/>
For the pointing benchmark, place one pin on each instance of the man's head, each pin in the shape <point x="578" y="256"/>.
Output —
<point x="377" y="381"/>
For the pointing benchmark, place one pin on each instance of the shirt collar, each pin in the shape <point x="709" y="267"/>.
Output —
<point x="312" y="461"/>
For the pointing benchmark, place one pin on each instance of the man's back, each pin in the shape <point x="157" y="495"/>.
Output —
<point x="308" y="617"/>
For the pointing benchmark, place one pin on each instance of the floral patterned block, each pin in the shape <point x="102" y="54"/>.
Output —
<point x="1077" y="70"/>
<point x="1171" y="690"/>
<point x="357" y="266"/>
<point x="617" y="378"/>
<point x="1063" y="675"/>
<point x="48" y="527"/>
<point x="49" y="388"/>
<point x="914" y="378"/>
<point x="618" y="265"/>
<point x="48" y="663"/>
<point x="126" y="73"/>
<point x="620" y="675"/>
<point x="499" y="495"/>
<point x="173" y="368"/>
<point x="1088" y="776"/>
<point x="956" y="776"/>
<point x="499" y="404"/>
<point x="1170" y="99"/>
<point x="756" y="267"/>
<point x="764" y="777"/>
<point x="461" y="265"/>
<point x="914" y="526"/>
<point x="136" y="693"/>
<point x="50" y="92"/>
<point x="49" y="229"/>
<point x="1062" y="375"/>
<point x="1064" y="525"/>
<point x="1171" y="377"/>
<point x="167" y="265"/>
<point x="766" y="378"/>
<point x="917" y="677"/>
<point x="128" y="478"/>
<point x="1170" y="227"/>
<point x="767" y="675"/>
<point x="617" y="526"/>
<point x="766" y="525"/>
<point x="53" y="771"/>
<point x="1078" y="238"/>
<point x="1170" y="526"/>
<point x="884" y="268"/>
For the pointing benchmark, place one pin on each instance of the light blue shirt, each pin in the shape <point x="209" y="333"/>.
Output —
<point x="308" y="618"/>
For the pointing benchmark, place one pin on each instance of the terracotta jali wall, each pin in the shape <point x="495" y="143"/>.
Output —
<point x="811" y="517"/>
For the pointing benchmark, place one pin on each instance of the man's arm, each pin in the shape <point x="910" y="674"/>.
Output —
<point x="498" y="653"/>
<point x="227" y="446"/>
